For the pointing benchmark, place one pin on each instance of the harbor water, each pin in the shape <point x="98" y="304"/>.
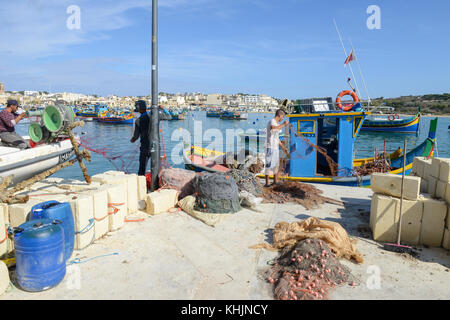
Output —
<point x="113" y="141"/>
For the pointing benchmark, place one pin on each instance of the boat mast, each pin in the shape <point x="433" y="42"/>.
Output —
<point x="345" y="52"/>
<point x="154" y="134"/>
<point x="360" y="72"/>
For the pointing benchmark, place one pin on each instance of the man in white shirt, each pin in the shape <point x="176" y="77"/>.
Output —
<point x="272" y="146"/>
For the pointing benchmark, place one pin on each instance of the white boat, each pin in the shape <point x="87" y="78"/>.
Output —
<point x="24" y="164"/>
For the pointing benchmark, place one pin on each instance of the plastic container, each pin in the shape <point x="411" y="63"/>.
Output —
<point x="57" y="211"/>
<point x="39" y="247"/>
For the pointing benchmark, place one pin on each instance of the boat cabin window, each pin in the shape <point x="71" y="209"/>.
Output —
<point x="327" y="140"/>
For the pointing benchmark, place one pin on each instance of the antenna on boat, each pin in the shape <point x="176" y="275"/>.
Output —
<point x="345" y="52"/>
<point x="360" y="72"/>
<point x="154" y="134"/>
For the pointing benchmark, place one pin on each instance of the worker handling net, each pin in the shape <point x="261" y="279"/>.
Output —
<point x="307" y="271"/>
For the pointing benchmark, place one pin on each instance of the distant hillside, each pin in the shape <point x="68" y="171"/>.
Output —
<point x="436" y="104"/>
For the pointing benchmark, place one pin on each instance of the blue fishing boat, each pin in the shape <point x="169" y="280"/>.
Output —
<point x="321" y="150"/>
<point x="233" y="115"/>
<point x="213" y="113"/>
<point x="393" y="123"/>
<point x="91" y="111"/>
<point x="124" y="117"/>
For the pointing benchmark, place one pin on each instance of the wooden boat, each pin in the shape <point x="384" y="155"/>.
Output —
<point x="117" y="119"/>
<point x="307" y="164"/>
<point x="213" y="113"/>
<point x="233" y="115"/>
<point x="393" y="123"/>
<point x="24" y="164"/>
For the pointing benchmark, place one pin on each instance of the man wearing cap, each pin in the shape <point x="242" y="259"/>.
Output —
<point x="141" y="130"/>
<point x="9" y="117"/>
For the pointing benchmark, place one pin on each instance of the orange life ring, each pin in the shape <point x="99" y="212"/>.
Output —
<point x="346" y="93"/>
<point x="391" y="117"/>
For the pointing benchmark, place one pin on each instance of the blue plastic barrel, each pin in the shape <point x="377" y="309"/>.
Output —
<point x="59" y="211"/>
<point x="39" y="248"/>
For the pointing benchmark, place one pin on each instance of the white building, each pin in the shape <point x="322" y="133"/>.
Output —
<point x="214" y="99"/>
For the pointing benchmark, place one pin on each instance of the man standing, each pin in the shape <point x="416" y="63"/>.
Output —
<point x="9" y="117"/>
<point x="272" y="146"/>
<point x="141" y="131"/>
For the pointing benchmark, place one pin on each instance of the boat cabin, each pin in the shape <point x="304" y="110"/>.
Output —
<point x="333" y="132"/>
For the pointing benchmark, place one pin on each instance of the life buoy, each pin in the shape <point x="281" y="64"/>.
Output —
<point x="346" y="93"/>
<point x="392" y="117"/>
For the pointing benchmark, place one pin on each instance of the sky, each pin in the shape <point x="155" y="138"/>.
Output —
<point x="284" y="48"/>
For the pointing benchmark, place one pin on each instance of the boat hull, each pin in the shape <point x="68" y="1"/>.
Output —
<point x="410" y="125"/>
<point x="24" y="164"/>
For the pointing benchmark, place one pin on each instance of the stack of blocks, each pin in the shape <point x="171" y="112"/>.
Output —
<point x="97" y="208"/>
<point x="426" y="209"/>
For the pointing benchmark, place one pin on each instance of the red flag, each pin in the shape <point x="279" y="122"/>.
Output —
<point x="350" y="58"/>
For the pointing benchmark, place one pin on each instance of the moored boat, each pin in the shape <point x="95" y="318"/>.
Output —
<point x="117" y="119"/>
<point x="316" y="154"/>
<point x="233" y="115"/>
<point x="392" y="123"/>
<point x="24" y="164"/>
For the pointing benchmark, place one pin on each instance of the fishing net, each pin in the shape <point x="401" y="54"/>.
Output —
<point x="308" y="271"/>
<point x="179" y="179"/>
<point x="246" y="181"/>
<point x="291" y="191"/>
<point x="216" y="193"/>
<point x="288" y="235"/>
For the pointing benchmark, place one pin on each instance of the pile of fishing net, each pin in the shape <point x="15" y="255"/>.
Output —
<point x="244" y="159"/>
<point x="332" y="233"/>
<point x="308" y="271"/>
<point x="290" y="191"/>
<point x="379" y="165"/>
<point x="178" y="179"/>
<point x="246" y="181"/>
<point x="216" y="193"/>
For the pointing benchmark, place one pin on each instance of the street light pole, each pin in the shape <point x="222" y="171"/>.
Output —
<point x="154" y="134"/>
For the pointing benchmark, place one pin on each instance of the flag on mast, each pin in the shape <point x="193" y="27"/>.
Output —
<point x="350" y="58"/>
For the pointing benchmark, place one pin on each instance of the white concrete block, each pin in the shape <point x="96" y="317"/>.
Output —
<point x="435" y="167"/>
<point x="18" y="213"/>
<point x="100" y="205"/>
<point x="444" y="171"/>
<point x="433" y="221"/>
<point x="432" y="184"/>
<point x="418" y="166"/>
<point x="412" y="213"/>
<point x="384" y="219"/>
<point x="142" y="187"/>
<point x="132" y="193"/>
<point x="423" y="185"/>
<point x="389" y="184"/>
<point x="117" y="209"/>
<point x="427" y="169"/>
<point x="76" y="185"/>
<point x="446" y="240"/>
<point x="447" y="193"/>
<point x="441" y="188"/>
<point x="161" y="201"/>
<point x="83" y="216"/>
<point x="111" y="179"/>
<point x="4" y="278"/>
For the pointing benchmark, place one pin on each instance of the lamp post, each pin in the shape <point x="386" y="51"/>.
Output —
<point x="154" y="134"/>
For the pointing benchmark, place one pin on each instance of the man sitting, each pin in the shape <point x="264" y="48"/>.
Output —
<point x="9" y="117"/>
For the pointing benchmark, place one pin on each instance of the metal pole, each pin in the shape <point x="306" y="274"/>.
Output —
<point x="154" y="134"/>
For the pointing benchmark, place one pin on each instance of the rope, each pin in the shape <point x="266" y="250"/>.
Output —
<point x="79" y="260"/>
<point x="138" y="220"/>
<point x="115" y="210"/>
<point x="87" y="228"/>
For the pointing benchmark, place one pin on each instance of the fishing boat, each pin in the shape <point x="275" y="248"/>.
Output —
<point x="91" y="111"/>
<point x="117" y="119"/>
<point x="177" y="115"/>
<point x="233" y="115"/>
<point x="321" y="150"/>
<point x="213" y="113"/>
<point x="24" y="164"/>
<point x="392" y="123"/>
